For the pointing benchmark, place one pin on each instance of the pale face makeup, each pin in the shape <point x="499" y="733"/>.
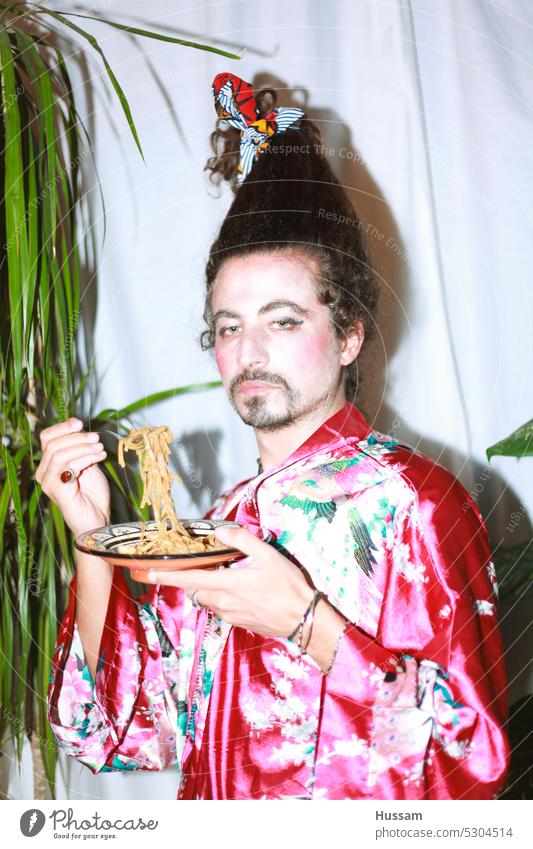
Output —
<point x="275" y="345"/>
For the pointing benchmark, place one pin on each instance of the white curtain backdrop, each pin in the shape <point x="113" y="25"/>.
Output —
<point x="424" y="111"/>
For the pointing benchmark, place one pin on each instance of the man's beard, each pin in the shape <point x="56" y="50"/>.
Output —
<point x="259" y="412"/>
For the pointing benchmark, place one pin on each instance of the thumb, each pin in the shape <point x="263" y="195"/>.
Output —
<point x="242" y="539"/>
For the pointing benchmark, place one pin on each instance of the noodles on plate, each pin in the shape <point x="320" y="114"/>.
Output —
<point x="152" y="445"/>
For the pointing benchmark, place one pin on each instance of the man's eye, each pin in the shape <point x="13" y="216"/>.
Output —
<point x="229" y="330"/>
<point x="287" y="323"/>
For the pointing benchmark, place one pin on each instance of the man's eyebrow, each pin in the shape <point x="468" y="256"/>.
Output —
<point x="225" y="314"/>
<point x="272" y="305"/>
<point x="276" y="305"/>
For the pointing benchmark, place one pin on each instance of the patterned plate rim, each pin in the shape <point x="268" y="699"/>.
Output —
<point x="215" y="523"/>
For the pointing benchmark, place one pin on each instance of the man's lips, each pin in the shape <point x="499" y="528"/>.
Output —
<point x="254" y="387"/>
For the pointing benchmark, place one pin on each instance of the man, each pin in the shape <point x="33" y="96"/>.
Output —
<point x="400" y="692"/>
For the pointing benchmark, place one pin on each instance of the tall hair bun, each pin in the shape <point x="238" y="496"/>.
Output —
<point x="292" y="201"/>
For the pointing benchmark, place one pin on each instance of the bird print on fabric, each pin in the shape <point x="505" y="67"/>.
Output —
<point x="363" y="545"/>
<point x="308" y="496"/>
<point x="321" y="499"/>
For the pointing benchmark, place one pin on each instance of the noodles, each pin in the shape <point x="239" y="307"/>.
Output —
<point x="152" y="445"/>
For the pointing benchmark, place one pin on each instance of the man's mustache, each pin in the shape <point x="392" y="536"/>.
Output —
<point x="256" y="374"/>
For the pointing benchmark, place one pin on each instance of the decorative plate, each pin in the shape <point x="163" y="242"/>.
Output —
<point x="104" y="542"/>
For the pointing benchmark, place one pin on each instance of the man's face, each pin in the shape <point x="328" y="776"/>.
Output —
<point x="275" y="345"/>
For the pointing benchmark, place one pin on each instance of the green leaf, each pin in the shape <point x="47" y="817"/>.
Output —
<point x="4" y="504"/>
<point x="35" y="141"/>
<point x="72" y="313"/>
<point x="12" y="464"/>
<point x="114" y="82"/>
<point x="7" y="646"/>
<point x="14" y="206"/>
<point x="108" y="466"/>
<point x="75" y="129"/>
<point x="33" y="263"/>
<point x="73" y="122"/>
<point x="61" y="534"/>
<point x="45" y="325"/>
<point x="111" y="414"/>
<point x="61" y="329"/>
<point x="156" y="35"/>
<point x="42" y="136"/>
<point x="45" y="102"/>
<point x="518" y="444"/>
<point x="130" y="502"/>
<point x="21" y="639"/>
<point x="33" y="503"/>
<point x="47" y="638"/>
<point x="81" y="386"/>
<point x="514" y="571"/>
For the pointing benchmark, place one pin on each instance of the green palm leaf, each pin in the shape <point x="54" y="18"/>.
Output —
<point x="155" y="35"/>
<point x="111" y="414"/>
<point x="114" y="82"/>
<point x="14" y="207"/>
<point x="43" y="373"/>
<point x="518" y="444"/>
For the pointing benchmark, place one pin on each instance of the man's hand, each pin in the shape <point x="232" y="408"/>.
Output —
<point x="267" y="593"/>
<point x="84" y="502"/>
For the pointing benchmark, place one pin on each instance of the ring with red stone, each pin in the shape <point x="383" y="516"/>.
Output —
<point x="68" y="475"/>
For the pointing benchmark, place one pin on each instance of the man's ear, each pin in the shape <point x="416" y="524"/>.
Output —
<point x="351" y="344"/>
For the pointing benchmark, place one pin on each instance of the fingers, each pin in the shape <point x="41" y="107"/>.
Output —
<point x="76" y="457"/>
<point x="65" y="435"/>
<point x="61" y="442"/>
<point x="190" y="594"/>
<point x="212" y="596"/>
<point x="84" y="503"/>
<point x="59" y="429"/>
<point x="243" y="540"/>
<point x="75" y="443"/>
<point x="55" y="459"/>
<point x="196" y="579"/>
<point x="219" y="601"/>
<point x="190" y="579"/>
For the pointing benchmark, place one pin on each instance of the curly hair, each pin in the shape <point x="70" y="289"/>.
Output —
<point x="292" y="201"/>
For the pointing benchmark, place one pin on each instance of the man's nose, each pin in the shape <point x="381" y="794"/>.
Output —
<point x="252" y="349"/>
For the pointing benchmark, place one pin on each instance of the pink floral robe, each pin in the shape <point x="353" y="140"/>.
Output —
<point x="414" y="705"/>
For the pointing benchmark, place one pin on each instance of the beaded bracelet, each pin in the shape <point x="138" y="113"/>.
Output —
<point x="299" y="628"/>
<point x="300" y="624"/>
<point x="330" y="667"/>
<point x="309" y="622"/>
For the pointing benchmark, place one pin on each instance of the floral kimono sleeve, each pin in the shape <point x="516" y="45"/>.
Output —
<point x="417" y="711"/>
<point x="127" y="718"/>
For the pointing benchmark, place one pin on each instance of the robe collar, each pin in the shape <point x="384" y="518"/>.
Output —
<point x="344" y="428"/>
